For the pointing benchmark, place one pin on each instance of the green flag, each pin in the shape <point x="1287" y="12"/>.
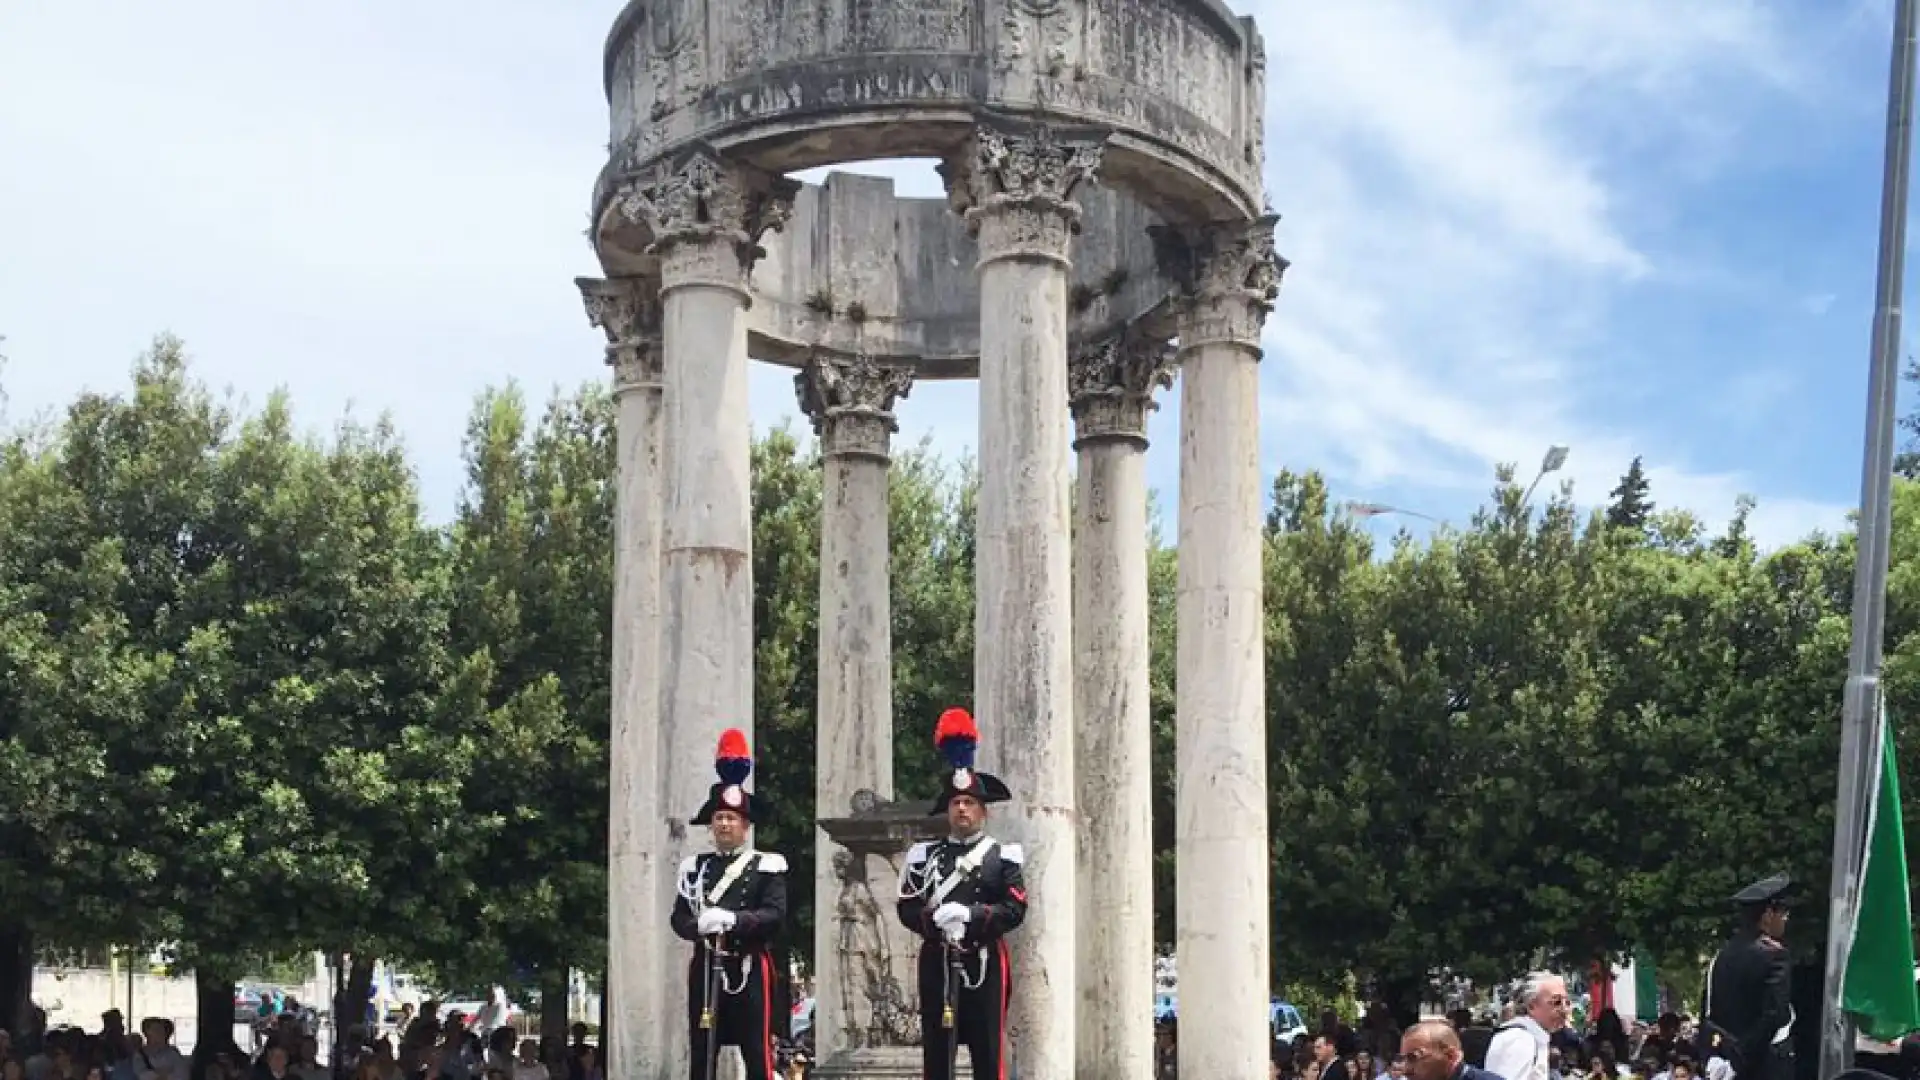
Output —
<point x="1879" y="988"/>
<point x="1646" y="987"/>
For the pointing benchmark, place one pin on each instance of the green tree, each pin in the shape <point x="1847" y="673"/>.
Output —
<point x="532" y="551"/>
<point x="1631" y="505"/>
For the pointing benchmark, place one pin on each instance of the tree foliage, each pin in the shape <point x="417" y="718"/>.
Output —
<point x="252" y="701"/>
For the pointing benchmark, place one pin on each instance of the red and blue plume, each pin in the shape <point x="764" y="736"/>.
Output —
<point x="733" y="762"/>
<point x="956" y="737"/>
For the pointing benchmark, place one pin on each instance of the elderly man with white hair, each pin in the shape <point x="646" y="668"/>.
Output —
<point x="1519" y="1050"/>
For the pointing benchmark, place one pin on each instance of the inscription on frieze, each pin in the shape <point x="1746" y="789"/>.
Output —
<point x="905" y="81"/>
<point x="772" y="34"/>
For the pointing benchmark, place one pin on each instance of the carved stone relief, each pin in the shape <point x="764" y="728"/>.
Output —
<point x="676" y="52"/>
<point x="628" y="311"/>
<point x="707" y="216"/>
<point x="1228" y="275"/>
<point x="1111" y="383"/>
<point x="850" y="400"/>
<point x="1016" y="189"/>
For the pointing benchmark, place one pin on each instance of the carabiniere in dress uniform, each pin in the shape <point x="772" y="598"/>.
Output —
<point x="732" y="905"/>
<point x="963" y="895"/>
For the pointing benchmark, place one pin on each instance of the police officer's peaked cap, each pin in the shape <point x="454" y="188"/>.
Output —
<point x="957" y="738"/>
<point x="1769" y="891"/>
<point x="734" y="764"/>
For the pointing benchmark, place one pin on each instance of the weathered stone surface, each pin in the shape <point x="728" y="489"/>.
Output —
<point x="1015" y="190"/>
<point x="1227" y="274"/>
<point x="863" y="956"/>
<point x="638" y="975"/>
<point x="859" y="271"/>
<point x="1180" y="79"/>
<point x="1220" y="828"/>
<point x="850" y="401"/>
<point x="1023" y="620"/>
<point x="705" y="216"/>
<point x="1110" y="385"/>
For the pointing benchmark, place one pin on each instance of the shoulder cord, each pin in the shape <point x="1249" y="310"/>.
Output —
<point x="690" y="891"/>
<point x="916" y="883"/>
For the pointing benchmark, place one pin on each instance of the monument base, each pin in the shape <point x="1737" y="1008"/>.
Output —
<point x="881" y="1063"/>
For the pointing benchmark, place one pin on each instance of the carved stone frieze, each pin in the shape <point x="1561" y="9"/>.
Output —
<point x="628" y="311"/>
<point x="707" y="215"/>
<point x="1228" y="276"/>
<point x="850" y="400"/>
<point x="676" y="53"/>
<point x="1255" y="148"/>
<point x="1111" y="383"/>
<point x="1036" y="34"/>
<point x="1016" y="190"/>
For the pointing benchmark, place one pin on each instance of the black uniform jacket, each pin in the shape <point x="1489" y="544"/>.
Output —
<point x="990" y="886"/>
<point x="1749" y="996"/>
<point x="757" y="897"/>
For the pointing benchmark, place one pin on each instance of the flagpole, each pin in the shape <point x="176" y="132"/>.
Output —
<point x="1861" y="717"/>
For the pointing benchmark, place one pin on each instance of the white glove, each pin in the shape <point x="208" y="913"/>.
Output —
<point x="951" y="914"/>
<point x="716" y="921"/>
<point x="955" y="931"/>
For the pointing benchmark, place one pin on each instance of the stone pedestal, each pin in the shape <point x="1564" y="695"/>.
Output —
<point x="1111" y="384"/>
<point x="1229" y="276"/>
<point x="1016" y="190"/>
<point x="871" y="844"/>
<point x="705" y="216"/>
<point x="637" y="934"/>
<point x="862" y="956"/>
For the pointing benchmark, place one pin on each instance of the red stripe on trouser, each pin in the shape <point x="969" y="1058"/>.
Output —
<point x="766" y="1011"/>
<point x="1006" y="993"/>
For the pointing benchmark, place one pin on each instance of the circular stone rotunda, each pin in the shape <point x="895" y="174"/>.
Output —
<point x="1104" y="229"/>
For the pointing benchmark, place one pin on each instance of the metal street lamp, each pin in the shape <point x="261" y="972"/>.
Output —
<point x="1368" y="509"/>
<point x="1556" y="457"/>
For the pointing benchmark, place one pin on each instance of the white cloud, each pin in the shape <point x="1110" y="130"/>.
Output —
<point x="1450" y="187"/>
<point x="382" y="207"/>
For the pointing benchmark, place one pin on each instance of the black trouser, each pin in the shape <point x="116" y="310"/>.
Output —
<point x="743" y="1019"/>
<point x="980" y="1013"/>
<point x="1776" y="1063"/>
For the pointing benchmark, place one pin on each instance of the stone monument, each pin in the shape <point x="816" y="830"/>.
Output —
<point x="1104" y="228"/>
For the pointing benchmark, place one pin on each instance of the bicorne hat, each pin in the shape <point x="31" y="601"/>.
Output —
<point x="734" y="763"/>
<point x="958" y="738"/>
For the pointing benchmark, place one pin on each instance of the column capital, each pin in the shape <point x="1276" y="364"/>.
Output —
<point x="1227" y="275"/>
<point x="1110" y="386"/>
<point x="706" y="215"/>
<point x="628" y="310"/>
<point x="1015" y="188"/>
<point x="850" y="401"/>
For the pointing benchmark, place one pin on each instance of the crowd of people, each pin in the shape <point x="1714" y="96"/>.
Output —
<point x="287" y="1047"/>
<point x="1534" y="1041"/>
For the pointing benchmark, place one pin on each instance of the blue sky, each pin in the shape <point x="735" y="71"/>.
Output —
<point x="1628" y="226"/>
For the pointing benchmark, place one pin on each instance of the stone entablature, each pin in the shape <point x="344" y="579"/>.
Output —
<point x="1179" y="83"/>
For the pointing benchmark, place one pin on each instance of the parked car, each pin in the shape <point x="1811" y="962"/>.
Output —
<point x="1286" y="1022"/>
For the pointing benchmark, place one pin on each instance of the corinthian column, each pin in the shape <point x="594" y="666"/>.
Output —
<point x="1111" y="384"/>
<point x="1229" y="276"/>
<point x="1016" y="191"/>
<point x="629" y="312"/>
<point x="706" y="216"/>
<point x="858" y="945"/>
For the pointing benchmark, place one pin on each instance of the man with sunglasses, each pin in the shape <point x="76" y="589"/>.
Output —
<point x="1520" y="1047"/>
